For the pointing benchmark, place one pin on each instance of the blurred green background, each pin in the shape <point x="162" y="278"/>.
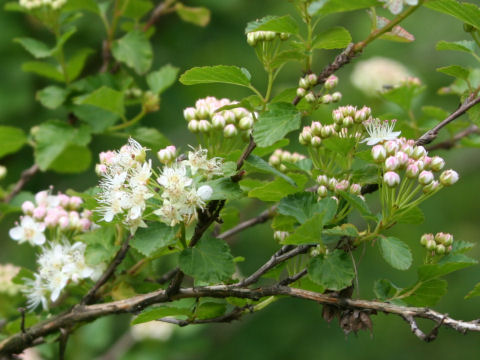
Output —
<point x="288" y="329"/>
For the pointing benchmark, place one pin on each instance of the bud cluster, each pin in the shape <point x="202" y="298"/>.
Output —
<point x="330" y="186"/>
<point x="280" y="236"/>
<point x="167" y="155"/>
<point x="439" y="244"/>
<point x="34" y="4"/>
<point x="402" y="156"/>
<point x="280" y="156"/>
<point x="59" y="213"/>
<point x="347" y="122"/>
<point x="204" y="118"/>
<point x="306" y="84"/>
<point x="254" y="37"/>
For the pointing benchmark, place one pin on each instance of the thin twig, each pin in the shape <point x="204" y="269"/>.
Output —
<point x="24" y="178"/>
<point x="432" y="134"/>
<point x="235" y="314"/>
<point x="450" y="143"/>
<point x="260" y="219"/>
<point x="291" y="279"/>
<point x="64" y="334"/>
<point x="161" y="9"/>
<point x="117" y="260"/>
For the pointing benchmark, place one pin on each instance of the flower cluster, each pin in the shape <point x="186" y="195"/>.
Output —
<point x="33" y="4"/>
<point x="56" y="212"/>
<point x="124" y="191"/>
<point x="330" y="186"/>
<point x="180" y="195"/>
<point x="439" y="244"/>
<point x="306" y="84"/>
<point x="234" y="124"/>
<point x="7" y="273"/>
<point x="380" y="131"/>
<point x="396" y="6"/>
<point x="347" y="122"/>
<point x="58" y="265"/>
<point x="255" y="37"/>
<point x="280" y="156"/>
<point x="402" y="156"/>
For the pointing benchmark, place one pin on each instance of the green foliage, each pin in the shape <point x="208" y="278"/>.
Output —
<point x="261" y="165"/>
<point x="455" y="71"/>
<point x="278" y="188"/>
<point x="216" y="74"/>
<point x="307" y="233"/>
<point x="463" y="11"/>
<point x="160" y="80"/>
<point x="105" y="98"/>
<point x="210" y="261"/>
<point x="273" y="124"/>
<point x="199" y="16"/>
<point x="52" y="96"/>
<point x="333" y="271"/>
<point x="154" y="237"/>
<point x="324" y="7"/>
<point x="134" y="50"/>
<point x="335" y="38"/>
<point x="279" y="24"/>
<point x="303" y="206"/>
<point x="395" y="252"/>
<point x="101" y="246"/>
<point x="12" y="140"/>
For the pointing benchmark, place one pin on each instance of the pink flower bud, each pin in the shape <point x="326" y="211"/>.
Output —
<point x="204" y="126"/>
<point x="431" y="245"/>
<point x="391" y="146"/>
<point x="28" y="207"/>
<point x="245" y="123"/>
<point x="75" y="202"/>
<point x="440" y="249"/>
<point x="391" y="178"/>
<point x="379" y="153"/>
<point x="360" y="116"/>
<point x="322" y="191"/>
<point x="331" y="82"/>
<point x="218" y="121"/>
<point x="412" y="171"/>
<point x="193" y="126"/>
<point x="322" y="179"/>
<point x="316" y="128"/>
<point x="419" y="152"/>
<point x="280" y="235"/>
<point x="41" y="197"/>
<point x="39" y="212"/>
<point x="433" y="186"/>
<point x="426" y="238"/>
<point x="402" y="158"/>
<point x="51" y="220"/>
<point x="336" y="96"/>
<point x="332" y="183"/>
<point x="303" y="83"/>
<point x="337" y="116"/>
<point x="286" y="156"/>
<point x="203" y="112"/>
<point x="312" y="79"/>
<point x="342" y="185"/>
<point x="316" y="141"/>
<point x="84" y="224"/>
<point x="100" y="169"/>
<point x="274" y="160"/>
<point x="230" y="131"/>
<point x="355" y="189"/>
<point x="348" y="121"/>
<point x="63" y="222"/>
<point x="437" y="163"/>
<point x="327" y="99"/>
<point x="310" y="97"/>
<point x="425" y="177"/>
<point x="301" y="92"/>
<point x="327" y="131"/>
<point x="189" y="113"/>
<point x="391" y="163"/>
<point x="444" y="238"/>
<point x="449" y="177"/>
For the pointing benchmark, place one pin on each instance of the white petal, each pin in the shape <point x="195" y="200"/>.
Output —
<point x="38" y="238"/>
<point x="17" y="233"/>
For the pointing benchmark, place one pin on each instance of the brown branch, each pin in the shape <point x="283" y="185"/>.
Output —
<point x="24" y="178"/>
<point x="450" y="143"/>
<point x="260" y="219"/>
<point x="161" y="9"/>
<point x="432" y="134"/>
<point x="291" y="279"/>
<point x="432" y="335"/>
<point x="117" y="260"/>
<point x="85" y="313"/>
<point x="235" y="314"/>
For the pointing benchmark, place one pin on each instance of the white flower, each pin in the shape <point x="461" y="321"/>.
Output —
<point x="169" y="213"/>
<point x="174" y="180"/>
<point x="205" y="192"/>
<point x="396" y="6"/>
<point x="36" y="292"/>
<point x="199" y="162"/>
<point x="28" y="230"/>
<point x="380" y="131"/>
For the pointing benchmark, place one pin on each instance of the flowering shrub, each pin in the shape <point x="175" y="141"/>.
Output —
<point x="332" y="183"/>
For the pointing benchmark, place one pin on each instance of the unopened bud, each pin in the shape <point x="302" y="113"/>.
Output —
<point x="327" y="99"/>
<point x="230" y="131"/>
<point x="3" y="172"/>
<point x="336" y="96"/>
<point x="251" y="39"/>
<point x="355" y="189"/>
<point x="193" y="126"/>
<point x="426" y="238"/>
<point x="402" y="158"/>
<point x="327" y="131"/>
<point x="301" y="92"/>
<point x="391" y="147"/>
<point x="167" y="155"/>
<point x="431" y="245"/>
<point x="204" y="126"/>
<point x="28" y="207"/>
<point x="303" y="83"/>
<point x="342" y="185"/>
<point x="189" y="113"/>
<point x="322" y="179"/>
<point x="440" y="249"/>
<point x="310" y="97"/>
<point x="347" y="121"/>
<point x="312" y="79"/>
<point x="337" y="116"/>
<point x="412" y="171"/>
<point x="316" y="141"/>
<point x="391" y="163"/>
<point x="280" y="236"/>
<point x="449" y="177"/>
<point x="322" y="191"/>
<point x="444" y="238"/>
<point x="437" y="163"/>
<point x="331" y="82"/>
<point x="433" y="186"/>
<point x="245" y="123"/>
<point x="425" y="177"/>
<point x="332" y="183"/>
<point x="419" y="152"/>
<point x="391" y="178"/>
<point x="379" y="153"/>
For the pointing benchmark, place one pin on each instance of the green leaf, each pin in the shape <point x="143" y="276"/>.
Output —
<point x="339" y="145"/>
<point x="105" y="98"/>
<point x="209" y="261"/>
<point x="447" y="265"/>
<point x="358" y="203"/>
<point x="413" y="216"/>
<point x="474" y="292"/>
<point x="52" y="96"/>
<point x="303" y="206"/>
<point x="335" y="38"/>
<point x="273" y="124"/>
<point x="279" y="24"/>
<point x="43" y="69"/>
<point x="342" y="230"/>
<point x="283" y="223"/>
<point x="137" y="9"/>
<point x="264" y="167"/>
<point x="224" y="188"/>
<point x="324" y="7"/>
<point x="160" y="80"/>
<point x="262" y="151"/>
<point x="37" y="48"/>
<point x="134" y="50"/>
<point x="199" y="16"/>
<point x="464" y="11"/>
<point x="156" y="313"/>
<point x="384" y="289"/>
<point x="278" y="189"/>
<point x="333" y="271"/>
<point x="460" y="247"/>
<point x="75" y="5"/>
<point x="395" y="252"/>
<point x="98" y="119"/>
<point x="154" y="237"/>
<point x="310" y="232"/>
<point x="73" y="159"/>
<point x="215" y="74"/>
<point x="467" y="46"/>
<point x="403" y="95"/>
<point x="76" y="63"/>
<point x="209" y="309"/>
<point x="397" y="34"/>
<point x="287" y="56"/>
<point x="100" y="244"/>
<point x="149" y="137"/>
<point x="428" y="293"/>
<point x="12" y="139"/>
<point x="53" y="137"/>
<point x="455" y="71"/>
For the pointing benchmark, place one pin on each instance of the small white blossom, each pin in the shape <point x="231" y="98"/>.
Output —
<point x="28" y="230"/>
<point x="396" y="6"/>
<point x="380" y="131"/>
<point x="205" y="192"/>
<point x="199" y="162"/>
